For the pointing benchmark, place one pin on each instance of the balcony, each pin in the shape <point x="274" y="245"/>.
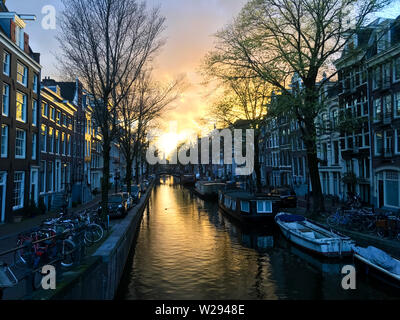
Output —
<point x="387" y="119"/>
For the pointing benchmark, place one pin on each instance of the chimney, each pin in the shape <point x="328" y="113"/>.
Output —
<point x="12" y="30"/>
<point x="26" y="42"/>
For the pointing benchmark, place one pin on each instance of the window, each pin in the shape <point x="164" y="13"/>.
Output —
<point x="388" y="142"/>
<point x="45" y="110"/>
<point x="64" y="120"/>
<point x="19" y="180"/>
<point x="49" y="176"/>
<point x="4" y="141"/>
<point x="377" y="110"/>
<point x="42" y="176"/>
<point x="397" y="141"/>
<point x="376" y="78"/>
<point x="34" y="112"/>
<point x="227" y="202"/>
<point x="6" y="63"/>
<point x="396" y="69"/>
<point x="22" y="74"/>
<point x="52" y="114"/>
<point x="397" y="104"/>
<point x="43" y="138"/>
<point x="378" y="143"/>
<point x="35" y="83"/>
<point x="264" y="206"/>
<point x="21" y="107"/>
<point x="336" y="152"/>
<point x="6" y="99"/>
<point x="387" y="106"/>
<point x="20" y="143"/>
<point x="69" y="145"/>
<point x="386" y="75"/>
<point x="57" y="142"/>
<point x="63" y="143"/>
<point x="245" y="206"/>
<point x="233" y="203"/>
<point x="58" y="119"/>
<point x="34" y="146"/>
<point x="51" y="140"/>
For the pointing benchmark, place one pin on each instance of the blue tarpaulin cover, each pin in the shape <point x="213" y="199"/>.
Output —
<point x="291" y="218"/>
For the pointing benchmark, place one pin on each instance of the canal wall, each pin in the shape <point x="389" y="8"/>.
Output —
<point x="98" y="276"/>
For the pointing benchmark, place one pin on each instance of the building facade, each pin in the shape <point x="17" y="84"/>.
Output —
<point x="20" y="81"/>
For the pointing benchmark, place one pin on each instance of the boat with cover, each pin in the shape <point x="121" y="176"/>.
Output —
<point x="313" y="237"/>
<point x="378" y="264"/>
<point x="208" y="189"/>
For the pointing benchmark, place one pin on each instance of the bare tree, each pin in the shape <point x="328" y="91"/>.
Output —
<point x="106" y="44"/>
<point x="243" y="99"/>
<point x="146" y="102"/>
<point x="276" y="40"/>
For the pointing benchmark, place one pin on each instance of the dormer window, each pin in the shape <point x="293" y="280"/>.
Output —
<point x="383" y="39"/>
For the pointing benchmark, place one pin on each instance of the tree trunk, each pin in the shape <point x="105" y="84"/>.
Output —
<point x="106" y="177"/>
<point x="312" y="161"/>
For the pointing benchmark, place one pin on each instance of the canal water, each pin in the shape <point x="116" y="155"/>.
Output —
<point x="188" y="249"/>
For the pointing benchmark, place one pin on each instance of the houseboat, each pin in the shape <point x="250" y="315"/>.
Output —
<point x="208" y="189"/>
<point x="313" y="237"/>
<point x="188" y="179"/>
<point x="247" y="207"/>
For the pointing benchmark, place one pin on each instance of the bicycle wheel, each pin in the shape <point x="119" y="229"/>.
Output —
<point x="37" y="280"/>
<point x="68" y="253"/>
<point x="332" y="220"/>
<point x="93" y="233"/>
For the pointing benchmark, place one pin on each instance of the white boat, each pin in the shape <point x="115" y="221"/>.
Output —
<point x="378" y="264"/>
<point x="312" y="237"/>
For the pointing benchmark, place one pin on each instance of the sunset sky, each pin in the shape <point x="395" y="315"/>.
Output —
<point x="190" y="26"/>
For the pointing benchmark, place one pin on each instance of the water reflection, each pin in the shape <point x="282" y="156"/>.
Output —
<point x="188" y="249"/>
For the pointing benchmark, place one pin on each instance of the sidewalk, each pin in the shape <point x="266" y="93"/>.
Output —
<point x="10" y="229"/>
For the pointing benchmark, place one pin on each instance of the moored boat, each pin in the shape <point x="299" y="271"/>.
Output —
<point x="313" y="237"/>
<point x="246" y="206"/>
<point x="208" y="189"/>
<point x="188" y="179"/>
<point x="378" y="264"/>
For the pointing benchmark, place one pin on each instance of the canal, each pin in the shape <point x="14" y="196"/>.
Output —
<point x="188" y="249"/>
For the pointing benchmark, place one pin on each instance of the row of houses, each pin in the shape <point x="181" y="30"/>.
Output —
<point x="50" y="147"/>
<point x="358" y="129"/>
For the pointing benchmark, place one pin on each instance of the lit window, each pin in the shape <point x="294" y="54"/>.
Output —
<point x="45" y="110"/>
<point x="21" y="107"/>
<point x="51" y="140"/>
<point x="22" y="74"/>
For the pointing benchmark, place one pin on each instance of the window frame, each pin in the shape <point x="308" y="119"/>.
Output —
<point x="24" y="76"/>
<point x="23" y="156"/>
<point x="6" y="114"/>
<point x="21" y="191"/>
<point x="23" y="106"/>
<point x="8" y="55"/>
<point x="4" y="155"/>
